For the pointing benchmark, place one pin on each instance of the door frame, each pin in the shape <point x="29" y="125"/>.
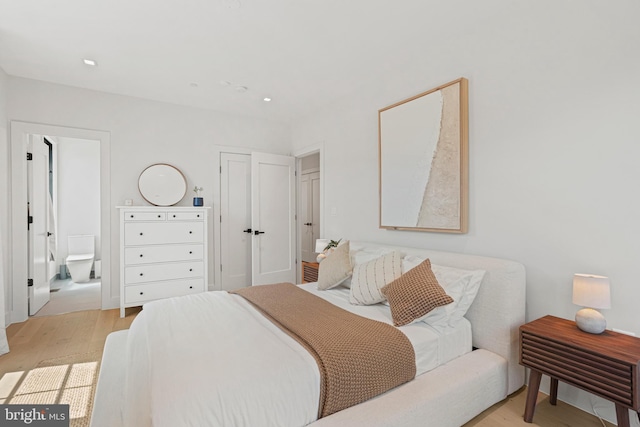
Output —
<point x="304" y="152"/>
<point x="18" y="256"/>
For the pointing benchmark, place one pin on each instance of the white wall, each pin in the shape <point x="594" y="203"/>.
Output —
<point x="4" y="201"/>
<point x="144" y="132"/>
<point x="554" y="148"/>
<point x="78" y="170"/>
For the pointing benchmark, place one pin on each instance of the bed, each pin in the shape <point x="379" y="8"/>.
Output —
<point x="453" y="383"/>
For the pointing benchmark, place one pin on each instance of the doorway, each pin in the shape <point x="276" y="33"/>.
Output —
<point x="73" y="213"/>
<point x="21" y="135"/>
<point x="310" y="193"/>
<point x="257" y="227"/>
<point x="309" y="206"/>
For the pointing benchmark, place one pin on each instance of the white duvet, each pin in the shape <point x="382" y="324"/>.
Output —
<point x="210" y="359"/>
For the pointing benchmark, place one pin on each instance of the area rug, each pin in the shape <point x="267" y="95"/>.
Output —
<point x="68" y="380"/>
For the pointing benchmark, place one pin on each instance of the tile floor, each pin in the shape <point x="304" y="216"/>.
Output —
<point x="68" y="296"/>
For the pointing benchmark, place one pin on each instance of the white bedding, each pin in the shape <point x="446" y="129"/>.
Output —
<point x="433" y="347"/>
<point x="229" y="365"/>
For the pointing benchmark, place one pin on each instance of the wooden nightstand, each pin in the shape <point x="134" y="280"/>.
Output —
<point x="605" y="365"/>
<point x="309" y="272"/>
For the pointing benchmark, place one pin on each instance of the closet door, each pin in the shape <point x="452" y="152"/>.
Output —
<point x="235" y="225"/>
<point x="273" y="218"/>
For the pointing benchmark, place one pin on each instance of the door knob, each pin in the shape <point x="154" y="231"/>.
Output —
<point x="308" y="223"/>
<point x="248" y="230"/>
<point x="258" y="232"/>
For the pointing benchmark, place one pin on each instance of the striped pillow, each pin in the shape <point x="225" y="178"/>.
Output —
<point x="370" y="277"/>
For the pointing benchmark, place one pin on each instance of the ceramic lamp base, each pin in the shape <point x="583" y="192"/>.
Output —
<point x="591" y="321"/>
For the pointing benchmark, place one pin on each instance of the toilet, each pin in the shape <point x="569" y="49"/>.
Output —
<point x="80" y="259"/>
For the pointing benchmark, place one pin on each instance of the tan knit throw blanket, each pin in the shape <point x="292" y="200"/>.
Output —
<point x="358" y="358"/>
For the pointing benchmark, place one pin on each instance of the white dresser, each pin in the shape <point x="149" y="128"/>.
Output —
<point x="163" y="253"/>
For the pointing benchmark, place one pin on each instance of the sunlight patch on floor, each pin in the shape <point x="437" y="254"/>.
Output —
<point x="65" y="384"/>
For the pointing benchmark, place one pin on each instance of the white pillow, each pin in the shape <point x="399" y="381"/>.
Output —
<point x="461" y="285"/>
<point x="335" y="268"/>
<point x="360" y="256"/>
<point x="370" y="277"/>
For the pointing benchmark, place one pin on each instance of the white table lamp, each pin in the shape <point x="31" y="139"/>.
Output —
<point x="591" y="291"/>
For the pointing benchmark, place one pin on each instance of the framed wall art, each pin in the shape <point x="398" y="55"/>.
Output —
<point x="423" y="161"/>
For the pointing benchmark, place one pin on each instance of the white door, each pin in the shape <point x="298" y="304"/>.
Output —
<point x="235" y="221"/>
<point x="309" y="214"/>
<point x="38" y="188"/>
<point x="273" y="218"/>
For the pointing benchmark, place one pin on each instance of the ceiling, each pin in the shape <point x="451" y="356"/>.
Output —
<point x="304" y="54"/>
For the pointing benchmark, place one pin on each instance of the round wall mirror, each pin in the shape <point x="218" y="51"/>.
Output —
<point x="162" y="185"/>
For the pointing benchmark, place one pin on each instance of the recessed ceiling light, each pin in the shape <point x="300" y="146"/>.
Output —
<point x="233" y="4"/>
<point x="225" y="83"/>
<point x="241" y="88"/>
<point x="90" y="62"/>
<point x="193" y="84"/>
<point x="267" y="99"/>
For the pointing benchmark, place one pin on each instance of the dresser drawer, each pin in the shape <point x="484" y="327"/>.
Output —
<point x="156" y="272"/>
<point x="186" y="216"/>
<point x="145" y="216"/>
<point x="145" y="233"/>
<point x="153" y="291"/>
<point x="168" y="253"/>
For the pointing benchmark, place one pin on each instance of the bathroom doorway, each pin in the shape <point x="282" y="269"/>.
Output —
<point x="73" y="213"/>
<point x="77" y="188"/>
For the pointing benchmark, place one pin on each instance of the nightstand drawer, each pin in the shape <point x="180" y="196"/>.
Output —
<point x="309" y="272"/>
<point x="605" y="364"/>
<point x="592" y="372"/>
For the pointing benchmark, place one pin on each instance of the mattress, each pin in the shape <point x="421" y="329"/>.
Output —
<point x="433" y="347"/>
<point x="211" y="359"/>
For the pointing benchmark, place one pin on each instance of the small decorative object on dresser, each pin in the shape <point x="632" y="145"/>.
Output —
<point x="606" y="365"/>
<point x="197" y="201"/>
<point x="591" y="291"/>
<point x="163" y="253"/>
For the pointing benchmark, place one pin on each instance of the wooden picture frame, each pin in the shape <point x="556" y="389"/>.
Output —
<point x="423" y="159"/>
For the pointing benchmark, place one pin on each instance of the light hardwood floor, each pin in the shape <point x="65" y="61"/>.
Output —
<point x="41" y="338"/>
<point x="50" y="337"/>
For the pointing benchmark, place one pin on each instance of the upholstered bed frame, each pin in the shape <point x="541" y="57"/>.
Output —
<point x="449" y="395"/>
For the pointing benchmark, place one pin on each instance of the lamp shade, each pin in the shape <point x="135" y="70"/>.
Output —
<point x="591" y="291"/>
<point x="321" y="244"/>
